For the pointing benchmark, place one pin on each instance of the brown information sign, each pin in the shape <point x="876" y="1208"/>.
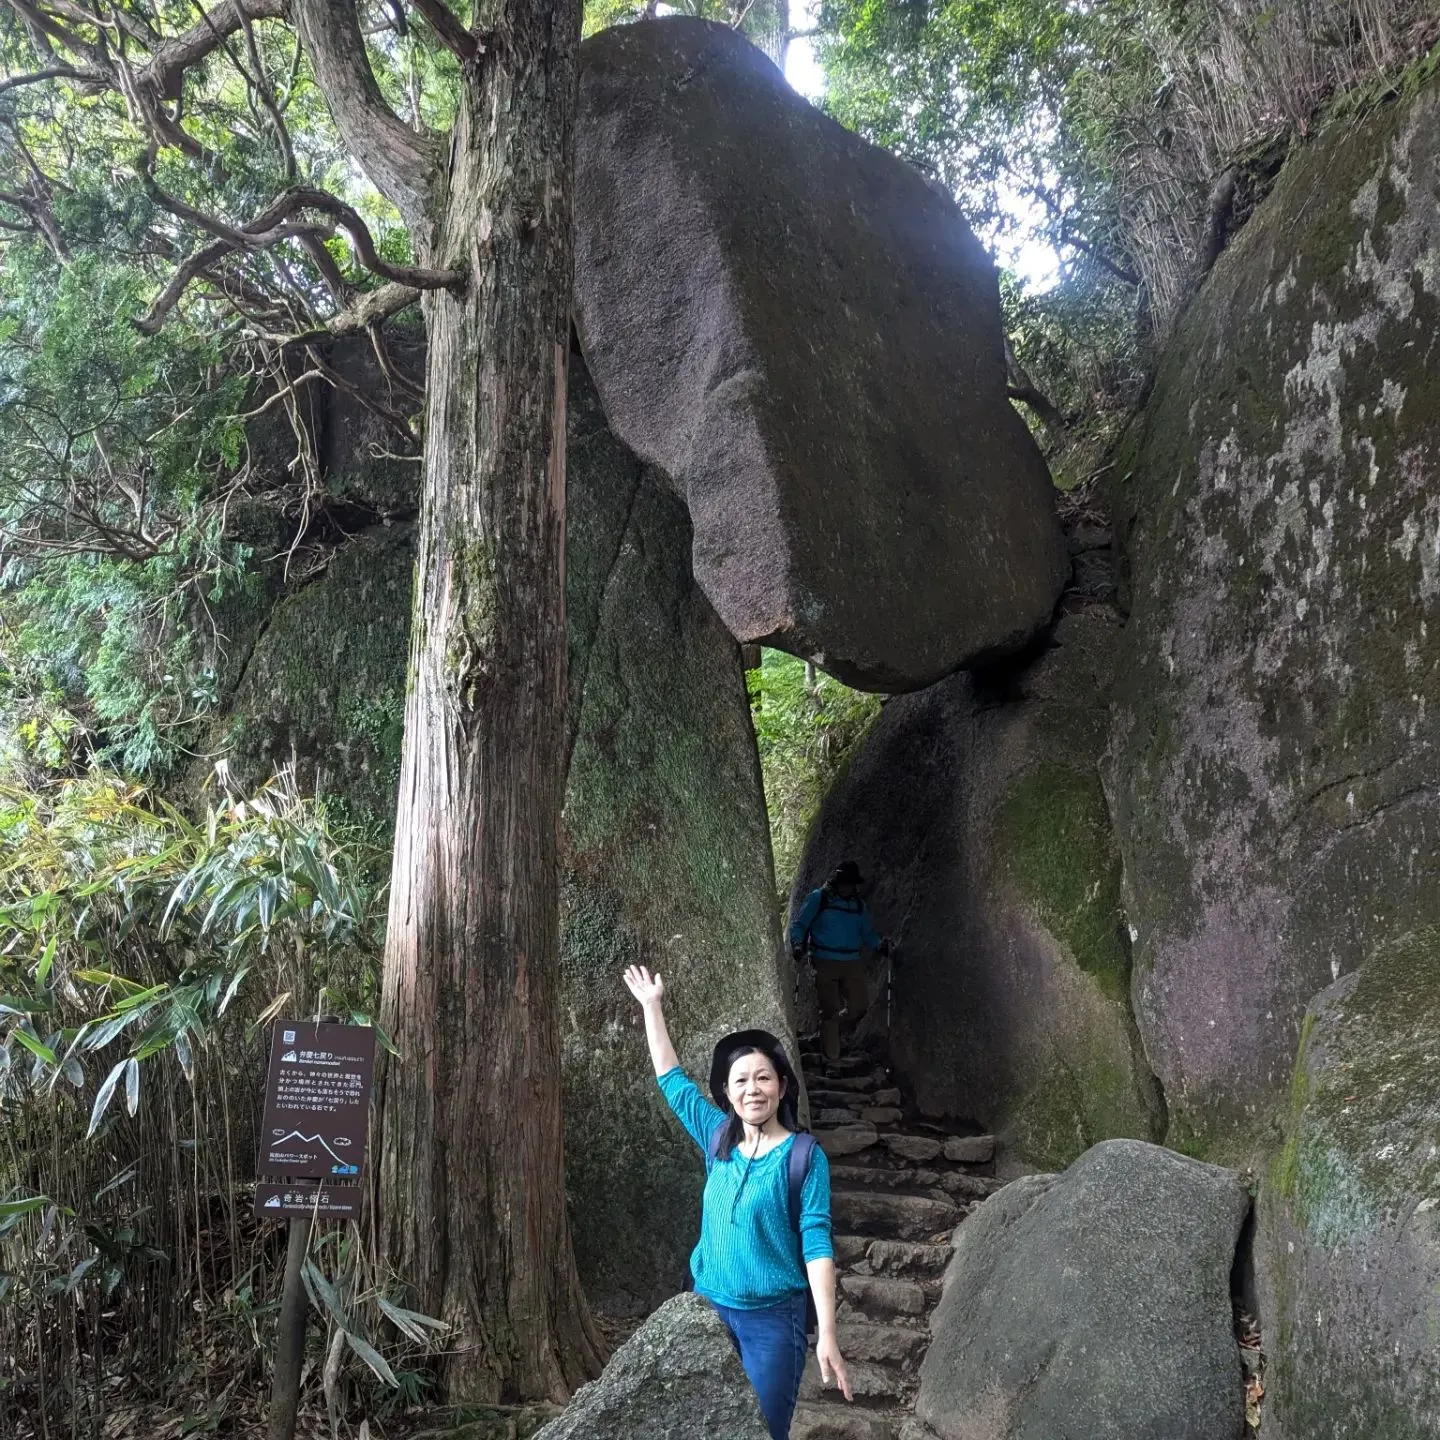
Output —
<point x="317" y="1110"/>
<point x="319" y="1202"/>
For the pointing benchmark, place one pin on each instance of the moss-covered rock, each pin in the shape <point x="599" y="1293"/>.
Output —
<point x="325" y="682"/>
<point x="976" y="806"/>
<point x="1276" y="777"/>
<point x="667" y="862"/>
<point x="1350" y="1230"/>
<point x="666" y="846"/>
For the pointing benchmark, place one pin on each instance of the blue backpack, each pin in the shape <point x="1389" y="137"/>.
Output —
<point x="796" y="1169"/>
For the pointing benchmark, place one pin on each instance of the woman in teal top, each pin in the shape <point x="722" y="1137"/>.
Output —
<point x="750" y="1264"/>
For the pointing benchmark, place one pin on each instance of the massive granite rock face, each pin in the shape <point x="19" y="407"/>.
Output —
<point x="676" y="1378"/>
<point x="667" y="863"/>
<point x="1277" y="762"/>
<point x="1349" y="1254"/>
<point x="806" y="338"/>
<point x="666" y="849"/>
<point x="976" y="808"/>
<point x="1093" y="1305"/>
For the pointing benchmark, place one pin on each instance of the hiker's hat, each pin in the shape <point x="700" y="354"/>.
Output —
<point x="761" y="1040"/>
<point x="847" y="872"/>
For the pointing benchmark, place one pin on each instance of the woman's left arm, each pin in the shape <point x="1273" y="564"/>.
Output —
<point x="827" y="1344"/>
<point x="816" y="1247"/>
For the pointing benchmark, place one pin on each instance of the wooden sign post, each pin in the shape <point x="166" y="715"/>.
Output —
<point x="312" y="1156"/>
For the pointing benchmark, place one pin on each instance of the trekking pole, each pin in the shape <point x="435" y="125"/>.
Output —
<point x="889" y="989"/>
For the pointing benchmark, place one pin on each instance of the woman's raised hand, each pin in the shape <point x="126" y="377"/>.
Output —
<point x="648" y="989"/>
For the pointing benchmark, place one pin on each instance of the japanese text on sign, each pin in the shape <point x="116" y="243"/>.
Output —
<point x="317" y="1101"/>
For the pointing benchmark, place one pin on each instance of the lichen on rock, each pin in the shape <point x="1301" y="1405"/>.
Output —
<point x="1276" y="768"/>
<point x="1350" y="1233"/>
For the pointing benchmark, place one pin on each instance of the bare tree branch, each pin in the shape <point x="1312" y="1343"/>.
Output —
<point x="54" y="72"/>
<point x="399" y="161"/>
<point x="268" y="228"/>
<point x="450" y="32"/>
<point x="164" y="73"/>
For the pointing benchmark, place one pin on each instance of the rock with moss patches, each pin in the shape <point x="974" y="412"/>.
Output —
<point x="977" y="811"/>
<point x="666" y="848"/>
<point x="806" y="337"/>
<point x="1093" y="1305"/>
<point x="1277" y="762"/>
<point x="1349" y="1254"/>
<point x="324" y="684"/>
<point x="666" y="863"/>
<point x="676" y="1378"/>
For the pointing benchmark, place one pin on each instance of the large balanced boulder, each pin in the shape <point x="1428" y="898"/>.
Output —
<point x="1277" y="759"/>
<point x="1093" y="1305"/>
<point x="676" y="1378"/>
<point x="806" y="339"/>
<point x="1350" y="1235"/>
<point x="666" y="863"/>
<point x="977" y="808"/>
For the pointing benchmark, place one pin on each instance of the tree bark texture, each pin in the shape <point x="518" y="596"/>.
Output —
<point x="473" y="1213"/>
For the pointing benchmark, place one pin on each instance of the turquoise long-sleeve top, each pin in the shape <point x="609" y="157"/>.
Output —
<point x="747" y="1257"/>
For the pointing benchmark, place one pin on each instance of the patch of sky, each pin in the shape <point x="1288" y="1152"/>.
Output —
<point x="1015" y="244"/>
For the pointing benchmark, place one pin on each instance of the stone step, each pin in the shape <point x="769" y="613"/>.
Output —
<point x="876" y="1177"/>
<point x="882" y="1296"/>
<point x="832" y="1116"/>
<point x="867" y="1381"/>
<point x="915" y="1148"/>
<point x="913" y="1258"/>
<point x="841" y="1140"/>
<point x="882" y="1344"/>
<point x="821" y="1097"/>
<point x="914" y="1429"/>
<point x="839" y="1421"/>
<point x="850" y="1249"/>
<point x="849" y="1065"/>
<point x="883" y="1114"/>
<point x="851" y="1084"/>
<point x="892" y="1217"/>
<point x="970" y="1149"/>
<point x="970" y="1187"/>
<point x="889" y="1095"/>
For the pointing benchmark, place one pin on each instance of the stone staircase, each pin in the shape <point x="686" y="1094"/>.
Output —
<point x="899" y="1187"/>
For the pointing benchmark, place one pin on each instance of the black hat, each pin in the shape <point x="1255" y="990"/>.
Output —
<point x="847" y="872"/>
<point x="761" y="1040"/>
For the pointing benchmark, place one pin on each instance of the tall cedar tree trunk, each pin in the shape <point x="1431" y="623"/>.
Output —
<point x="472" y="1173"/>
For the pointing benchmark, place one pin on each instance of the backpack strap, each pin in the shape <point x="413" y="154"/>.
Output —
<point x="712" y="1145"/>
<point x="797" y="1169"/>
<point x="809" y="935"/>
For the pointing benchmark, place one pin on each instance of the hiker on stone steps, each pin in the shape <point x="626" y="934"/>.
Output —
<point x="830" y="929"/>
<point x="751" y="1264"/>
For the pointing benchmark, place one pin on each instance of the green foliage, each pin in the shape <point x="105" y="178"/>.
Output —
<point x="140" y="953"/>
<point x="764" y="21"/>
<point x="1102" y="130"/>
<point x="806" y="727"/>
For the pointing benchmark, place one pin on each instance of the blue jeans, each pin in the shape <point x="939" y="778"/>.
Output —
<point x="771" y="1343"/>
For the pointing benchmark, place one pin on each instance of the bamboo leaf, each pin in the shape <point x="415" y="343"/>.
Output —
<point x="183" y="1055"/>
<point x="14" y="1208"/>
<point x="411" y="1322"/>
<point x="372" y="1357"/>
<point x="230" y="990"/>
<point x="323" y="1294"/>
<point x="102" y="1098"/>
<point x="132" y="1085"/>
<point x="35" y="1046"/>
<point x="47" y="960"/>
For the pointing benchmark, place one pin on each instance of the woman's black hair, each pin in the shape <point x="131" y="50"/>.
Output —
<point x="788" y="1112"/>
